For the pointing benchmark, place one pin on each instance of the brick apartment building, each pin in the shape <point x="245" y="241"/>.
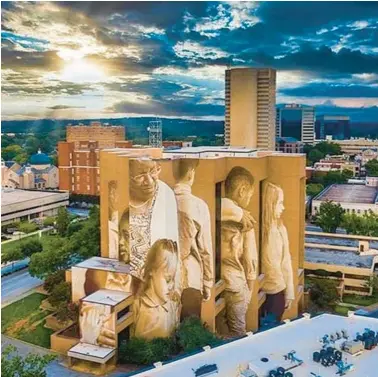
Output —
<point x="79" y="156"/>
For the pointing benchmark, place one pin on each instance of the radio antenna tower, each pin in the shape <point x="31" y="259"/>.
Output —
<point x="155" y="133"/>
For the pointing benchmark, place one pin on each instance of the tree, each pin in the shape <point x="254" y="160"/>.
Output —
<point x="62" y="221"/>
<point x="371" y="168"/>
<point x="55" y="256"/>
<point x="347" y="174"/>
<point x="330" y="216"/>
<point x="27" y="227"/>
<point x="372" y="283"/>
<point x="323" y="292"/>
<point x="32" y="365"/>
<point x="30" y="247"/>
<point x="328" y="148"/>
<point x="12" y="255"/>
<point x="86" y="241"/>
<point x="11" y="151"/>
<point x="49" y="221"/>
<point x="333" y="177"/>
<point x="53" y="280"/>
<point x="315" y="156"/>
<point x="192" y="334"/>
<point x="314" y="189"/>
<point x="364" y="225"/>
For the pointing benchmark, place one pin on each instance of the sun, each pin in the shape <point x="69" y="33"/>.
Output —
<point x="81" y="71"/>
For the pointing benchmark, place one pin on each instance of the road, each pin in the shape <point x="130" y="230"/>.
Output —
<point x="16" y="284"/>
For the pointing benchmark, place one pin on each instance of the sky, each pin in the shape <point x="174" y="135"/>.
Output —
<point x="79" y="60"/>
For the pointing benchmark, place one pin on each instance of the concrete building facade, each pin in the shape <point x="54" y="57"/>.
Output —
<point x="23" y="205"/>
<point x="167" y="222"/>
<point x="356" y="146"/>
<point x="250" y="99"/>
<point x="348" y="259"/>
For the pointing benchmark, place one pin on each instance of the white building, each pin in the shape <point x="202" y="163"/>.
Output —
<point x="358" y="199"/>
<point x="23" y="205"/>
<point x="250" y="99"/>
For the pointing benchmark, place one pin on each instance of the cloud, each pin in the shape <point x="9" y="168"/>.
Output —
<point x="64" y="107"/>
<point x="333" y="91"/>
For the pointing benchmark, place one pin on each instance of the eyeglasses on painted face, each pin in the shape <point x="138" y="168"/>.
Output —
<point x="153" y="173"/>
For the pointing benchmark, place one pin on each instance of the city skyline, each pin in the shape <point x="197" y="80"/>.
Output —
<point x="79" y="60"/>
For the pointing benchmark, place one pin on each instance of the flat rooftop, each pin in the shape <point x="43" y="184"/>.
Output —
<point x="338" y="241"/>
<point x="105" y="264"/>
<point x="14" y="196"/>
<point x="349" y="193"/>
<point x="218" y="149"/>
<point x="107" y="297"/>
<point x="90" y="352"/>
<point x="335" y="257"/>
<point x="301" y="335"/>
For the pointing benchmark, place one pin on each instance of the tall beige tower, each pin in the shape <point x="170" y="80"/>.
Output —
<point x="250" y="107"/>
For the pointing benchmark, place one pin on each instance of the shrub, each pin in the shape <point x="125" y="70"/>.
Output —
<point x="49" y="221"/>
<point x="53" y="280"/>
<point x="143" y="351"/>
<point x="26" y="227"/>
<point x="192" y="334"/>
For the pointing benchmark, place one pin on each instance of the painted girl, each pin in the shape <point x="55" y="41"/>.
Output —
<point x="156" y="312"/>
<point x="276" y="258"/>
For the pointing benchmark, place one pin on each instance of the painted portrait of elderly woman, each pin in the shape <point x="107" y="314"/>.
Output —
<point x="276" y="258"/>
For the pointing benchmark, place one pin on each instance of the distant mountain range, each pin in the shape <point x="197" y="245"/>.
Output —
<point x="136" y="128"/>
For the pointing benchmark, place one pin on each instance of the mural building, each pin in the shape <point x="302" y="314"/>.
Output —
<point x="219" y="237"/>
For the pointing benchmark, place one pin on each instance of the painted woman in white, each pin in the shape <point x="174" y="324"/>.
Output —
<point x="276" y="258"/>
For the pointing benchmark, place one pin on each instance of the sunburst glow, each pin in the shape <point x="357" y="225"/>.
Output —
<point x="82" y="71"/>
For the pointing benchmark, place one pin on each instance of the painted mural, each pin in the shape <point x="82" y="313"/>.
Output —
<point x="239" y="252"/>
<point x="166" y="238"/>
<point x="276" y="257"/>
<point x="97" y="324"/>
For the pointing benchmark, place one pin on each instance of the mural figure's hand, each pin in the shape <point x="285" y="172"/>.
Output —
<point x="206" y="293"/>
<point x="106" y="337"/>
<point x="288" y="303"/>
<point x="247" y="221"/>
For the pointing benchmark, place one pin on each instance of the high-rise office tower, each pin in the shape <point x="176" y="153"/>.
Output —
<point x="297" y="121"/>
<point x="337" y="126"/>
<point x="250" y="100"/>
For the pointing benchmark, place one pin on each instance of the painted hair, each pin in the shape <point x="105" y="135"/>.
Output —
<point x="182" y="166"/>
<point x="157" y="258"/>
<point x="112" y="185"/>
<point x="271" y="194"/>
<point x="236" y="177"/>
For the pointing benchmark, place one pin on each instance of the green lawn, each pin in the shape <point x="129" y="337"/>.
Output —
<point x="343" y="310"/>
<point x="39" y="336"/>
<point x="360" y="300"/>
<point x="14" y="244"/>
<point x="24" y="320"/>
<point x="21" y="309"/>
